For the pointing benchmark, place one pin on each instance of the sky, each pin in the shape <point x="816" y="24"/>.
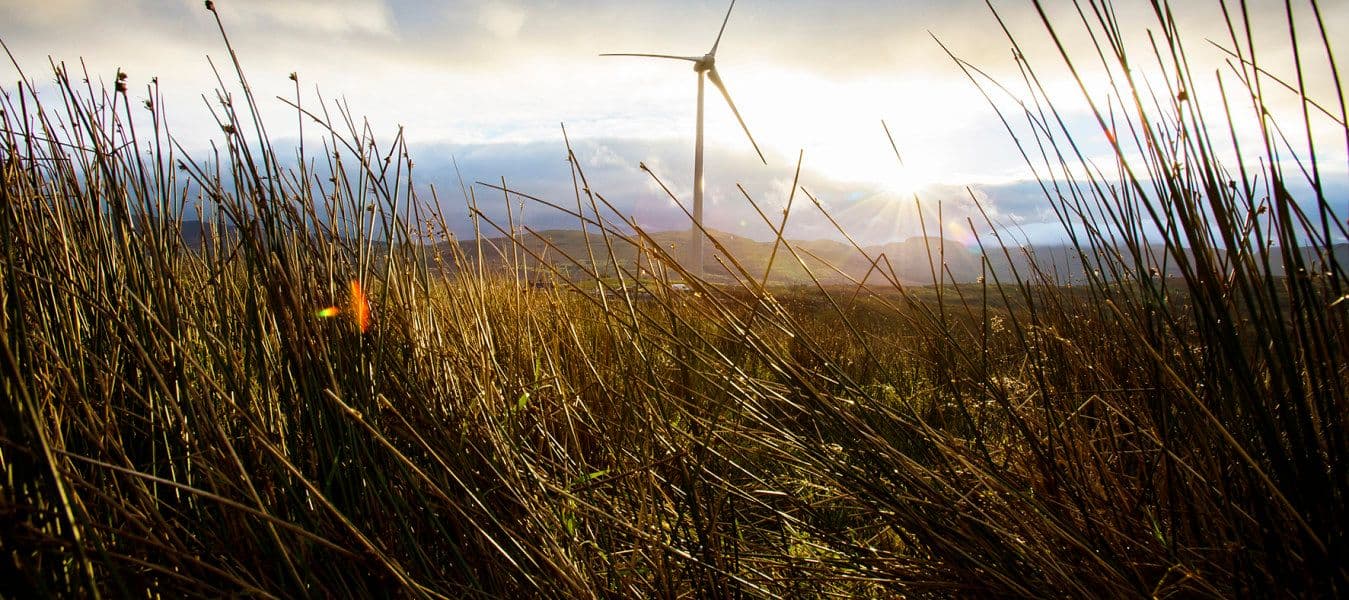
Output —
<point x="488" y="84"/>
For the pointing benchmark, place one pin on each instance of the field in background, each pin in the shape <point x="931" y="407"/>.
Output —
<point x="178" y="420"/>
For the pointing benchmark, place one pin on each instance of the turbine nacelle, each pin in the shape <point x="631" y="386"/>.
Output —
<point x="707" y="63"/>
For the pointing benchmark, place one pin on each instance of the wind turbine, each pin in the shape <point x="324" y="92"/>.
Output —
<point x="706" y="67"/>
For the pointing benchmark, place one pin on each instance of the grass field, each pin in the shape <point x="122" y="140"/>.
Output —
<point x="178" y="420"/>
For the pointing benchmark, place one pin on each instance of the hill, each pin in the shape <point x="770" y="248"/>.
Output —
<point x="912" y="261"/>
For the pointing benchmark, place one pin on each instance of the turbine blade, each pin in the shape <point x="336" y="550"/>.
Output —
<point x="723" y="29"/>
<point x="716" y="80"/>
<point x="688" y="58"/>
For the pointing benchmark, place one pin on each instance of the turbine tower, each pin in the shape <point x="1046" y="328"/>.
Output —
<point x="706" y="68"/>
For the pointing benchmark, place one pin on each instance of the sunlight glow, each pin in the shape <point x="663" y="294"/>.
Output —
<point x="784" y="109"/>
<point x="901" y="181"/>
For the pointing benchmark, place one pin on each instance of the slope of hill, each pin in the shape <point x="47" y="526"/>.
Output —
<point x="911" y="261"/>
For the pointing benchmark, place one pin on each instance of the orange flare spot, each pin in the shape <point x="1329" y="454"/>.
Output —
<point x="360" y="307"/>
<point x="331" y="311"/>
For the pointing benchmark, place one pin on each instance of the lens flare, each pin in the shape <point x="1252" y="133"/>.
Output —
<point x="360" y="308"/>
<point x="960" y="232"/>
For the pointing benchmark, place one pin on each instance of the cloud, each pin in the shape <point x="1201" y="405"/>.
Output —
<point x="603" y="157"/>
<point x="362" y="17"/>
<point x="488" y="81"/>
<point x="502" y="19"/>
<point x="47" y="13"/>
<point x="868" y="212"/>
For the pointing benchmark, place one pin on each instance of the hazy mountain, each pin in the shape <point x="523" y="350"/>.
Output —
<point x="911" y="261"/>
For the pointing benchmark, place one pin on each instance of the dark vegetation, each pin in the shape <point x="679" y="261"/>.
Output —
<point x="177" y="421"/>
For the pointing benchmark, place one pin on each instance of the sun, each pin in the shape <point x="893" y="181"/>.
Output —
<point x="862" y="159"/>
<point x="851" y="123"/>
<point x="900" y="181"/>
<point x="874" y="170"/>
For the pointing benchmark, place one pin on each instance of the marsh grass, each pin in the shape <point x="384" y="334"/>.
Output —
<point x="177" y="421"/>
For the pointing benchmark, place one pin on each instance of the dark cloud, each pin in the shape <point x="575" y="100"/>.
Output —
<point x="610" y="166"/>
<point x="1021" y="210"/>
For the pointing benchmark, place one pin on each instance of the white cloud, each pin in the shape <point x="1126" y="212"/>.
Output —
<point x="368" y="17"/>
<point x="604" y="156"/>
<point x="502" y="19"/>
<point x="45" y="13"/>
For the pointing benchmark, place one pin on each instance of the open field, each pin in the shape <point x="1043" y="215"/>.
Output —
<point x="812" y="420"/>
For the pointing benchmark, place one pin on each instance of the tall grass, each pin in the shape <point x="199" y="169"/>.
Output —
<point x="176" y="419"/>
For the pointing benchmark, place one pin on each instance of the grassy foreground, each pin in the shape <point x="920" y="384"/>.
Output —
<point x="176" y="420"/>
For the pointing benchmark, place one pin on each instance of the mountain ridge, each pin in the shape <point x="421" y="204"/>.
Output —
<point x="909" y="261"/>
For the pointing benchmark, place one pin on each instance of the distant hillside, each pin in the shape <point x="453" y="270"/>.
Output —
<point x="195" y="233"/>
<point x="753" y="256"/>
<point x="912" y="261"/>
